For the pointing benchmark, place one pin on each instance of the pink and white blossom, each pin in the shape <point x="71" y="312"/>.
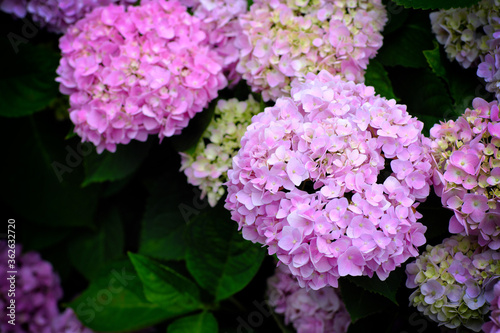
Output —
<point x="134" y="72"/>
<point x="339" y="209"/>
<point x="284" y="40"/>
<point x="467" y="167"/>
<point x="453" y="281"/>
<point x="220" y="22"/>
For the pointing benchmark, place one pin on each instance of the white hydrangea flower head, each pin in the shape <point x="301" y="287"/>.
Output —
<point x="207" y="166"/>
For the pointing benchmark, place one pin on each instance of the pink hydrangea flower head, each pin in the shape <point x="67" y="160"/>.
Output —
<point x="37" y="291"/>
<point x="329" y="180"/>
<point x="467" y="171"/>
<point x="220" y="22"/>
<point x="452" y="281"/>
<point x="284" y="40"/>
<point x="55" y="15"/>
<point x="464" y="32"/>
<point x="307" y="310"/>
<point x="138" y="71"/>
<point x="207" y="166"/>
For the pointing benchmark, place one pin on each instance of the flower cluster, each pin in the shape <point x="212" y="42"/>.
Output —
<point x="56" y="15"/>
<point x="451" y="280"/>
<point x="464" y="32"/>
<point x="132" y="73"/>
<point x="286" y="39"/>
<point x="14" y="7"/>
<point x="37" y="291"/>
<point x="220" y="22"/>
<point x="329" y="179"/>
<point x="207" y="166"/>
<point x="467" y="171"/>
<point x="493" y="326"/>
<point x="319" y="311"/>
<point x="489" y="68"/>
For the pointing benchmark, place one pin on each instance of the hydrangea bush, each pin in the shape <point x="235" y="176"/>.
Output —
<point x="283" y="40"/>
<point x="329" y="180"/>
<point x="130" y="73"/>
<point x="207" y="166"/>
<point x="451" y="280"/>
<point x="465" y="32"/>
<point x="332" y="180"/>
<point x="467" y="171"/>
<point x="55" y="15"/>
<point x="307" y="310"/>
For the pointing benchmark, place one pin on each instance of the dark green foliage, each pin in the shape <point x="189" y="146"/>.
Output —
<point x="436" y="4"/>
<point x="218" y="257"/>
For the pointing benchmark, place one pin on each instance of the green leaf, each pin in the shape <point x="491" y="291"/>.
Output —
<point x="218" y="257"/>
<point x="170" y="206"/>
<point x="463" y="85"/>
<point x="404" y="46"/>
<point x="166" y="287"/>
<point x="43" y="172"/>
<point x="115" y="301"/>
<point x="435" y="59"/>
<point x="377" y="77"/>
<point x="426" y="95"/>
<point x="36" y="237"/>
<point x="361" y="303"/>
<point x="378" y="322"/>
<point x="27" y="79"/>
<point x="436" y="4"/>
<point x="91" y="251"/>
<point x="387" y="288"/>
<point x="396" y="16"/>
<point x="204" y="322"/>
<point x="115" y="166"/>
